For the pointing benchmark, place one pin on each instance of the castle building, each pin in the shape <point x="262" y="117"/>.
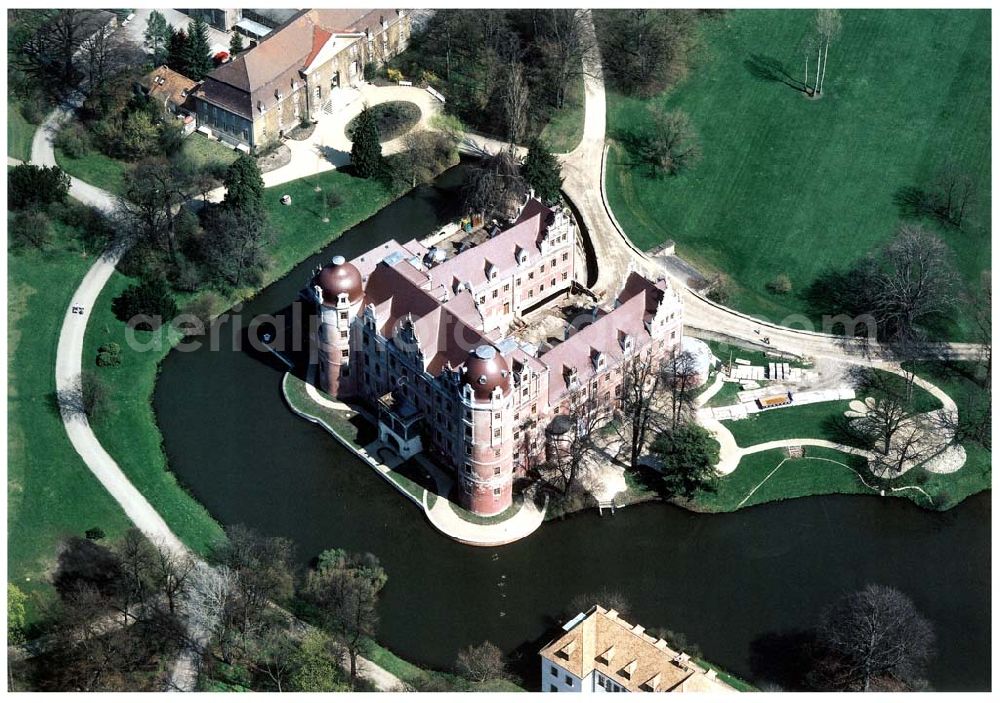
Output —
<point x="599" y="652"/>
<point x="429" y="346"/>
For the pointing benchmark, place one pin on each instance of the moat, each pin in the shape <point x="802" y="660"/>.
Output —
<point x="741" y="586"/>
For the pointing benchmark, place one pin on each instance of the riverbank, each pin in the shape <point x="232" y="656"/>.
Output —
<point x="418" y="479"/>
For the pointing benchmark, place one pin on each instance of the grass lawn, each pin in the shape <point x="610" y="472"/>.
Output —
<point x="816" y="420"/>
<point x="108" y="173"/>
<point x="128" y="430"/>
<point x="50" y="492"/>
<point x="821" y="471"/>
<point x="565" y="128"/>
<point x="20" y="132"/>
<point x="802" y="187"/>
<point x="300" y="231"/>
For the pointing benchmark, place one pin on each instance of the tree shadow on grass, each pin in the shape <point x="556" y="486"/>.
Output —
<point x="769" y="69"/>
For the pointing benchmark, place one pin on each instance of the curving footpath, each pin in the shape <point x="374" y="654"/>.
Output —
<point x="949" y="459"/>
<point x="69" y="356"/>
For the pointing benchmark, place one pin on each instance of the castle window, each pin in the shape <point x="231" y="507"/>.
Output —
<point x="553" y="263"/>
<point x="496" y="433"/>
<point x="496" y="292"/>
<point x="496" y="491"/>
<point x="496" y="415"/>
<point x="496" y="471"/>
<point x="565" y="256"/>
<point x="565" y="275"/>
<point x="343" y="334"/>
<point x="344" y="354"/>
<point x="343" y="315"/>
<point x="506" y="287"/>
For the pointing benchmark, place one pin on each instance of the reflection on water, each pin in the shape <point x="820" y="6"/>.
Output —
<point x="734" y="584"/>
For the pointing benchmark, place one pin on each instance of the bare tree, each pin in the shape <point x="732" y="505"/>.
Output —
<point x="495" y="187"/>
<point x="171" y="573"/>
<point x="641" y="394"/>
<point x="261" y="572"/>
<point x="680" y="376"/>
<point x="514" y="95"/>
<point x="481" y="663"/>
<point x="563" y="42"/>
<point x="916" y="280"/>
<point x="953" y="192"/>
<point x="670" y="145"/>
<point x="874" y="639"/>
<point x="828" y="26"/>
<point x="588" y="414"/>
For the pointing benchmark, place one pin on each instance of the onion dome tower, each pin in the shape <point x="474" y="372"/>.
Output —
<point x="486" y="477"/>
<point x="338" y="290"/>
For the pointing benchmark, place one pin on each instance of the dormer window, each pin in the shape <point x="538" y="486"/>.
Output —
<point x="260" y="106"/>
<point x="626" y="341"/>
<point x="521" y="256"/>
<point x="569" y="374"/>
<point x="278" y="94"/>
<point x="491" y="271"/>
<point x="597" y="359"/>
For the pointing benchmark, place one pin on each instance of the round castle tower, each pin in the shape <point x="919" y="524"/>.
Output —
<point x="339" y="291"/>
<point x="486" y="478"/>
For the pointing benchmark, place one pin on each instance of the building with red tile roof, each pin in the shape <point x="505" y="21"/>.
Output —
<point x="400" y="329"/>
<point x="292" y="74"/>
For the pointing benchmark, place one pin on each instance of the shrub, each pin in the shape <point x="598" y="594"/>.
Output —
<point x="332" y="199"/>
<point x="94" y="533"/>
<point x="719" y="289"/>
<point x="393" y="119"/>
<point x="30" y="230"/>
<point x="780" y="284"/>
<point x="109" y="355"/>
<point x="370" y="70"/>
<point x="73" y="140"/>
<point x="30" y="186"/>
<point x="201" y="309"/>
<point x="145" y="305"/>
<point x="394" y="74"/>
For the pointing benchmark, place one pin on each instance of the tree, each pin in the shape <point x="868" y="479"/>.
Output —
<point x="197" y="52"/>
<point x="95" y="396"/>
<point x="171" y="574"/>
<point x="495" y="187"/>
<point x="16" y="614"/>
<point x="233" y="247"/>
<point x="157" y="36"/>
<point x="514" y="99"/>
<point x="642" y="390"/>
<point x="44" y="46"/>
<point x="680" y="375"/>
<point x="366" y="150"/>
<point x="345" y="587"/>
<point x="34" y="186"/>
<point x="153" y="191"/>
<point x="645" y="50"/>
<point x="953" y="191"/>
<point x="259" y="572"/>
<point x="563" y="42"/>
<point x="426" y="154"/>
<point x="780" y="284"/>
<point x="874" y="639"/>
<point x="541" y="171"/>
<point x="145" y="305"/>
<point x="177" y="51"/>
<point x="671" y="144"/>
<point x="586" y="414"/>
<point x="828" y="25"/>
<point x="688" y="455"/>
<point x="314" y="665"/>
<point x="245" y="187"/>
<point x="915" y="281"/>
<point x="484" y="662"/>
<point x="30" y="229"/>
<point x="236" y="44"/>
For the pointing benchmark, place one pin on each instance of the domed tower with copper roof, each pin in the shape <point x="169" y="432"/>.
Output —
<point x="338" y="290"/>
<point x="486" y="476"/>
